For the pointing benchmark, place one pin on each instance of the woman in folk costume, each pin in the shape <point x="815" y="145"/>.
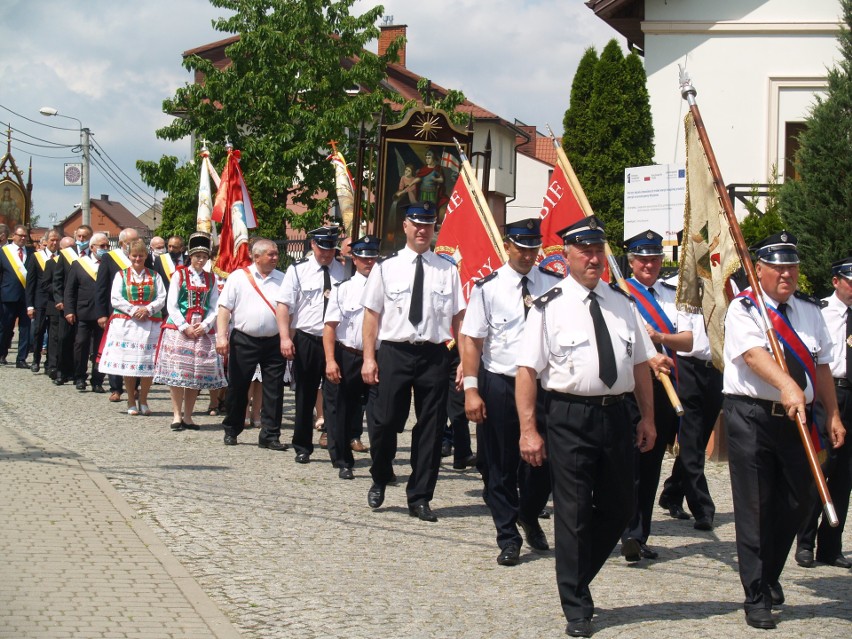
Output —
<point x="130" y="344"/>
<point x="187" y="360"/>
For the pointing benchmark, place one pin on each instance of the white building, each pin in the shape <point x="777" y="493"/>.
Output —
<point x="756" y="65"/>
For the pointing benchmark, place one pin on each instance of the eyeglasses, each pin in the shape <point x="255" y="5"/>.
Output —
<point x="20" y="234"/>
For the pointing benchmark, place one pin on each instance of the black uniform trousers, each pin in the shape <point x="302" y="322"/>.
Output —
<point x="244" y="354"/>
<point x="513" y="489"/>
<point x="648" y="464"/>
<point x="86" y="344"/>
<point x="38" y="327"/>
<point x="344" y="407"/>
<point x="60" y="347"/>
<point x="837" y="469"/>
<point x="404" y="367"/>
<point x="699" y="388"/>
<point x="591" y="466"/>
<point x="457" y="430"/>
<point x="308" y="373"/>
<point x="10" y="312"/>
<point x="770" y="484"/>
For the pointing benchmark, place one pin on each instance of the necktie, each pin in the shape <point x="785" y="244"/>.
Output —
<point x="415" y="311"/>
<point x="21" y="253"/>
<point x="606" y="358"/>
<point x="657" y="347"/>
<point x="525" y="295"/>
<point x="326" y="289"/>
<point x="794" y="366"/>
<point x="849" y="344"/>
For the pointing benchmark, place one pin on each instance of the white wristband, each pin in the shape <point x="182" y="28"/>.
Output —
<point x="470" y="382"/>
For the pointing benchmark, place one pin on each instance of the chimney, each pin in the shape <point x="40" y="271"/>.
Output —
<point x="389" y="33"/>
<point x="105" y="197"/>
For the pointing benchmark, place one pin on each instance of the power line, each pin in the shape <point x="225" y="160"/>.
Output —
<point x="50" y="157"/>
<point x="109" y="177"/>
<point x="49" y="142"/>
<point x="128" y="188"/>
<point x="100" y="148"/>
<point x="50" y="126"/>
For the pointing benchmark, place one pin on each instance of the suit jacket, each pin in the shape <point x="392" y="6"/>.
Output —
<point x="38" y="284"/>
<point x="60" y="275"/>
<point x="158" y="267"/>
<point x="11" y="289"/>
<point x="81" y="294"/>
<point x="50" y="305"/>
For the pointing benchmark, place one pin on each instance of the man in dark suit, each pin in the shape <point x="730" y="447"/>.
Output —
<point x="67" y="333"/>
<point x="15" y="262"/>
<point x="59" y="346"/>
<point x="82" y="310"/>
<point x="38" y="293"/>
<point x="166" y="263"/>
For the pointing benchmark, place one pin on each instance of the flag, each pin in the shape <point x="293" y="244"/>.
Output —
<point x="449" y="161"/>
<point x="709" y="253"/>
<point x="345" y="188"/>
<point x="231" y="211"/>
<point x="559" y="209"/>
<point x="468" y="235"/>
<point x="203" y="219"/>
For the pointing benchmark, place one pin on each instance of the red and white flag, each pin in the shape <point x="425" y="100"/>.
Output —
<point x="468" y="235"/>
<point x="559" y="209"/>
<point x="233" y="209"/>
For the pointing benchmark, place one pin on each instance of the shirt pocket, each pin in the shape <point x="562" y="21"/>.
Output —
<point x="442" y="299"/>
<point x="397" y="293"/>
<point x="623" y="341"/>
<point x="571" y="348"/>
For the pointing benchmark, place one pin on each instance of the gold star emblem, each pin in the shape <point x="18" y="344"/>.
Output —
<point x="427" y="127"/>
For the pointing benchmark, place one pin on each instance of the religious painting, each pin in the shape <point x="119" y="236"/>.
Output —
<point x="419" y="163"/>
<point x="12" y="204"/>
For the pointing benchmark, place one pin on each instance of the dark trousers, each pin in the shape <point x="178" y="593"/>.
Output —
<point x="308" y="372"/>
<point x="38" y="328"/>
<point x="404" y="367"/>
<point x="648" y="464"/>
<point x="770" y="483"/>
<point x="343" y="404"/>
<point x="60" y="347"/>
<point x="9" y="313"/>
<point x="700" y="391"/>
<point x="244" y="354"/>
<point x="837" y="469"/>
<point x="591" y="466"/>
<point x="457" y="430"/>
<point x="86" y="344"/>
<point x="512" y="488"/>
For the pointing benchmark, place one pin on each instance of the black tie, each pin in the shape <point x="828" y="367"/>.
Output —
<point x="415" y="311"/>
<point x="849" y="344"/>
<point x="657" y="347"/>
<point x="794" y="366"/>
<point x="326" y="288"/>
<point x="606" y="358"/>
<point x="525" y="295"/>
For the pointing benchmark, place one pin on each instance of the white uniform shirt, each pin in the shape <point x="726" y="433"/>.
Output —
<point x="302" y="292"/>
<point x="665" y="297"/>
<point x="495" y="311"/>
<point x="835" y="319"/>
<point x="250" y="313"/>
<point x="196" y="279"/>
<point x="345" y="307"/>
<point x="700" y="342"/>
<point x="744" y="331"/>
<point x="388" y="292"/>
<point x="559" y="340"/>
<point x="120" y="303"/>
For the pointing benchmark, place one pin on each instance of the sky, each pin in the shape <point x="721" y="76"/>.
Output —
<point x="111" y="63"/>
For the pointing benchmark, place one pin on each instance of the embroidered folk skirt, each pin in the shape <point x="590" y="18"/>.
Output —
<point x="130" y="347"/>
<point x="189" y="363"/>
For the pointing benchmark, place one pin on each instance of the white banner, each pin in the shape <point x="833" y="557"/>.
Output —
<point x="653" y="199"/>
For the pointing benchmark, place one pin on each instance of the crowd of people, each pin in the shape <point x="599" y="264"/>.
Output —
<point x="560" y="375"/>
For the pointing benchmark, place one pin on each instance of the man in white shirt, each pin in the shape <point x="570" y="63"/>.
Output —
<point x="248" y="298"/>
<point x="413" y="299"/>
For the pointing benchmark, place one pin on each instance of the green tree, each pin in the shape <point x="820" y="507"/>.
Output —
<point x="287" y="91"/>
<point x="575" y="123"/>
<point x="818" y="205"/>
<point x="612" y="131"/>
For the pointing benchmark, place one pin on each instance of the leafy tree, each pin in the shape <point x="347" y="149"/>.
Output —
<point x="287" y="91"/>
<point x="576" y="118"/>
<point x="818" y="205"/>
<point x="611" y="130"/>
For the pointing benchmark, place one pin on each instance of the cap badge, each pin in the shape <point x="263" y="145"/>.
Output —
<point x="530" y="225"/>
<point x="649" y="235"/>
<point x="783" y="237"/>
<point x="593" y="224"/>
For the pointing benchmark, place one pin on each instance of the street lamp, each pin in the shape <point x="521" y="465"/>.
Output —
<point x="84" y="138"/>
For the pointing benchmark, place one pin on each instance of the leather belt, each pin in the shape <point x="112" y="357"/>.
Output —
<point x="775" y="409"/>
<point x="349" y="349"/>
<point x="842" y="382"/>
<point x="697" y="361"/>
<point x="593" y="400"/>
<point x="316" y="338"/>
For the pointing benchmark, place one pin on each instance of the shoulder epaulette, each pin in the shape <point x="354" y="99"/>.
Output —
<point x="487" y="278"/>
<point x="342" y="281"/>
<point x="615" y="287"/>
<point x="302" y="261"/>
<point x="668" y="285"/>
<point x="547" y="271"/>
<point x="810" y="298"/>
<point x="387" y="257"/>
<point x="542" y="300"/>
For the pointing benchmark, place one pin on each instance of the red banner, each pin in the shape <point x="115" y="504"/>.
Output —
<point x="230" y="211"/>
<point x="559" y="209"/>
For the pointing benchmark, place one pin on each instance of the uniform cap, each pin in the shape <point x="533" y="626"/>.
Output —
<point x="524" y="233"/>
<point x="842" y="268"/>
<point x="589" y="230"/>
<point x="645" y="243"/>
<point x="325" y="236"/>
<point x="366" y="246"/>
<point x="777" y="249"/>
<point x="421" y="212"/>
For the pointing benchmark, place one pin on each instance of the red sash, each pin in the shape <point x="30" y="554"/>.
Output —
<point x="257" y="288"/>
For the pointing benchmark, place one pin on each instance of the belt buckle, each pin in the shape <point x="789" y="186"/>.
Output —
<point x="606" y="400"/>
<point x="778" y="410"/>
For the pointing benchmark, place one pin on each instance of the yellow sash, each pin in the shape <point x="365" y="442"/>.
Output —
<point x="70" y="254"/>
<point x="120" y="259"/>
<point x="40" y="258"/>
<point x="168" y="266"/>
<point x="90" y="268"/>
<point x="17" y="264"/>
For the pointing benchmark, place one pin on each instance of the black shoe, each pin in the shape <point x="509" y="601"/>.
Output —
<point x="422" y="512"/>
<point x="579" y="628"/>
<point x="21" y="365"/>
<point x="703" y="523"/>
<point x="346" y="473"/>
<point x="60" y="380"/>
<point x="646" y="552"/>
<point x="760" y="618"/>
<point x="230" y="440"/>
<point x="190" y="426"/>
<point x="544" y="514"/>
<point x="376" y="495"/>
<point x="80" y="386"/>
<point x="676" y="511"/>
<point x="805" y="557"/>
<point x="178" y="426"/>
<point x="509" y="555"/>
<point x="776" y="594"/>
<point x="303" y="458"/>
<point x="273" y="445"/>
<point x="3" y="361"/>
<point x="465" y="462"/>
<point x="838" y="562"/>
<point x="35" y="368"/>
<point x="446" y="449"/>
<point x="98" y="389"/>
<point x="536" y="539"/>
<point x="51" y="374"/>
<point x="631" y="550"/>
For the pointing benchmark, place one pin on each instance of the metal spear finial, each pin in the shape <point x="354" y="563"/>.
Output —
<point x="687" y="91"/>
